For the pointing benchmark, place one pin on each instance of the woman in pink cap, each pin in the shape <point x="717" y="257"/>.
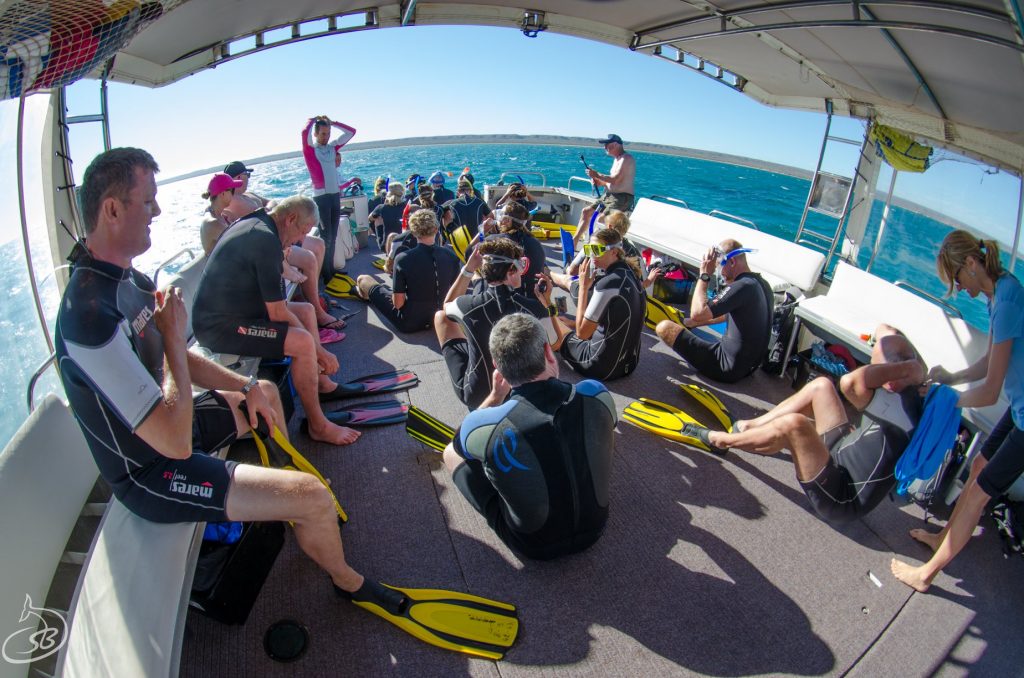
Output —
<point x="219" y="192"/>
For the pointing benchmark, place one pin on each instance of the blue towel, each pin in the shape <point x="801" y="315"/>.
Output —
<point x="932" y="440"/>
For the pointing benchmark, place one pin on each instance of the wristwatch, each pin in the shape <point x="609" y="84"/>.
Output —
<point x="248" y="387"/>
<point x="705" y="277"/>
<point x="552" y="311"/>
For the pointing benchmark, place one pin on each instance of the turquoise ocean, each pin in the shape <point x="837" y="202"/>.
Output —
<point x="773" y="201"/>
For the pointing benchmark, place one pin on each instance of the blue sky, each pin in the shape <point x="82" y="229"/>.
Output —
<point x="423" y="81"/>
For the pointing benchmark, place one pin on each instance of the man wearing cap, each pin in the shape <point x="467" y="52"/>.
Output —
<point x="746" y="303"/>
<point x="618" y="183"/>
<point x="243" y="203"/>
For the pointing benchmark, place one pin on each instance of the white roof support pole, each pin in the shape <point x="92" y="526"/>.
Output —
<point x="885" y="218"/>
<point x="1020" y="218"/>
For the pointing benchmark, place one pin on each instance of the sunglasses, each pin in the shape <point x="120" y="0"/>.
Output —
<point x="594" y="250"/>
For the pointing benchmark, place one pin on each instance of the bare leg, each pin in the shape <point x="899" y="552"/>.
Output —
<point x="318" y="247"/>
<point x="304" y="349"/>
<point x="793" y="431"/>
<point x="446" y="329"/>
<point x="452" y="460"/>
<point x="306" y="261"/>
<point x="258" y="493"/>
<point x="817" y="400"/>
<point x="583" y="226"/>
<point x="364" y="285"/>
<point x="957" y="533"/>
<point x="668" y="331"/>
<point x="933" y="539"/>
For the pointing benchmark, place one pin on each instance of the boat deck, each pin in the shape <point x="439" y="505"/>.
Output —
<point x="708" y="565"/>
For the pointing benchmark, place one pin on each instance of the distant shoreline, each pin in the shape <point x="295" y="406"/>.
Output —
<point x="585" y="142"/>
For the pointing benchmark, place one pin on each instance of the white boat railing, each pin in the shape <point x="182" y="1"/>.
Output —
<point x="518" y="174"/>
<point x="665" y="198"/>
<point x="948" y="307"/>
<point x="162" y="266"/>
<point x="590" y="186"/>
<point x="36" y="376"/>
<point x="733" y="217"/>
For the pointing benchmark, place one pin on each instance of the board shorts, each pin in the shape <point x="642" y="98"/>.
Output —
<point x="615" y="201"/>
<point x="194" y="489"/>
<point x="259" y="338"/>
<point x="1004" y="450"/>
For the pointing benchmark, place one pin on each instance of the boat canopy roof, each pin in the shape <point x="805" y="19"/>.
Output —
<point x="949" y="73"/>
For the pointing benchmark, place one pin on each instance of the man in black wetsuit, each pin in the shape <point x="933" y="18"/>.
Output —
<point x="240" y="307"/>
<point x="467" y="209"/>
<point x="746" y="303"/>
<point x="605" y="343"/>
<point x="536" y="466"/>
<point x="464" y="325"/>
<point x="845" y="471"/>
<point x="122" y="357"/>
<point x="422" y="276"/>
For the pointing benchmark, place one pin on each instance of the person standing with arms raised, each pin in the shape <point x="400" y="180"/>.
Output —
<point x="318" y="151"/>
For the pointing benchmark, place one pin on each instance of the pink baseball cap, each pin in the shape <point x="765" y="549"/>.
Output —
<point x="221" y="182"/>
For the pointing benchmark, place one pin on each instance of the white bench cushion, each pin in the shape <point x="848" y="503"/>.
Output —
<point x="687" y="235"/>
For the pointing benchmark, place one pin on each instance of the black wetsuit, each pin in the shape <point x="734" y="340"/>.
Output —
<point x="538" y="466"/>
<point x="469" y="360"/>
<point x="243" y="275"/>
<point x="110" y="356"/>
<point x="749" y="302"/>
<point x="862" y="460"/>
<point x="617" y="304"/>
<point x="534" y="251"/>
<point x="392" y="217"/>
<point x="469" y="212"/>
<point x="424" y="274"/>
<point x="443" y="195"/>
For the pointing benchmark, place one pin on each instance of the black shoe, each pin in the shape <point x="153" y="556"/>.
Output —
<point x="702" y="434"/>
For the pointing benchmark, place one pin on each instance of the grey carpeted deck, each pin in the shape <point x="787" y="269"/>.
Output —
<point x="708" y="566"/>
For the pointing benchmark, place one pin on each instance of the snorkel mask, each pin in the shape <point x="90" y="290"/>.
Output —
<point x="595" y="249"/>
<point x="522" y="265"/>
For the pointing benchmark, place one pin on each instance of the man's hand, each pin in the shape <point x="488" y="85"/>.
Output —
<point x="710" y="260"/>
<point x="256" y="402"/>
<point x="592" y="173"/>
<point x="327" y="361"/>
<point x="170" y="314"/>
<point x="542" y="289"/>
<point x="500" y="389"/>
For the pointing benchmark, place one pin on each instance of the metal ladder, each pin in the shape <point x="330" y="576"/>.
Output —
<point x="820" y="240"/>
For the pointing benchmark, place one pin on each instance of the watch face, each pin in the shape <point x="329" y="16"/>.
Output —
<point x="705" y="277"/>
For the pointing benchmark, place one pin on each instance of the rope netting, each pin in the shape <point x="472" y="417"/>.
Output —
<point x="51" y="43"/>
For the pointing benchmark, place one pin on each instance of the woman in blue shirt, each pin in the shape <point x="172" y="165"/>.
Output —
<point x="972" y="265"/>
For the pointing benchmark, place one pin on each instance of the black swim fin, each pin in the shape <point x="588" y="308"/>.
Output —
<point x="342" y="286"/>
<point x="384" y="382"/>
<point x="277" y="452"/>
<point x="448" y="619"/>
<point x="425" y="428"/>
<point x="378" y="413"/>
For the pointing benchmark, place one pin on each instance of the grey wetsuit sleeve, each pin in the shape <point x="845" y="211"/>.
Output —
<point x="599" y="300"/>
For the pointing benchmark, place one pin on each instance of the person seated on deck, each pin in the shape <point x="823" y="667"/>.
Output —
<point x="123" y="360"/>
<point x="467" y="209"/>
<point x="535" y="459"/>
<point x="513" y="222"/>
<point x="422" y="276"/>
<point x="380" y="191"/>
<point x="972" y="265"/>
<point x="303" y="259"/>
<point x="423" y="200"/>
<point x="464" y="325"/>
<point x="619" y="184"/>
<point x="240" y="308"/>
<point x="746" y="303"/>
<point x="605" y="343"/>
<point x="441" y="194"/>
<point x="618" y="221"/>
<point x="219" y="191"/>
<point x="845" y="471"/>
<point x="387" y="216"/>
<point x="517" y="193"/>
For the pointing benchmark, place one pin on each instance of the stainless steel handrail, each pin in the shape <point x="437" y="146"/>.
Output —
<point x="187" y="250"/>
<point x="668" y="199"/>
<point x="948" y="307"/>
<point x="720" y="213"/>
<point x="517" y="174"/>
<point x="586" y="180"/>
<point x="30" y="396"/>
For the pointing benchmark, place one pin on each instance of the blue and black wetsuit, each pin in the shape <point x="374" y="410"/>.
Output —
<point x="538" y="466"/>
<point x="110" y="356"/>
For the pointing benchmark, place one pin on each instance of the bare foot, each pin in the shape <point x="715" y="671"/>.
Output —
<point x="333" y="434"/>
<point x="293" y="274"/>
<point x="929" y="539"/>
<point x="909" y="575"/>
<point x="740" y="425"/>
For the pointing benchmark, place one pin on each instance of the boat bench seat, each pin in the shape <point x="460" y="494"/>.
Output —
<point x="687" y="235"/>
<point x="857" y="302"/>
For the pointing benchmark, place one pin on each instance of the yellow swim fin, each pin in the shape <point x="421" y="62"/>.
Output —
<point x="710" y="402"/>
<point x="460" y="239"/>
<point x="461" y="622"/>
<point x="430" y="431"/>
<point x="379" y="263"/>
<point x="658" y="311"/>
<point x="342" y="286"/>
<point x="545" y="230"/>
<point x="668" y="422"/>
<point x="277" y="452"/>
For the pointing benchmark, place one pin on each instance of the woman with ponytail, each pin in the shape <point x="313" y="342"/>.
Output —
<point x="966" y="263"/>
